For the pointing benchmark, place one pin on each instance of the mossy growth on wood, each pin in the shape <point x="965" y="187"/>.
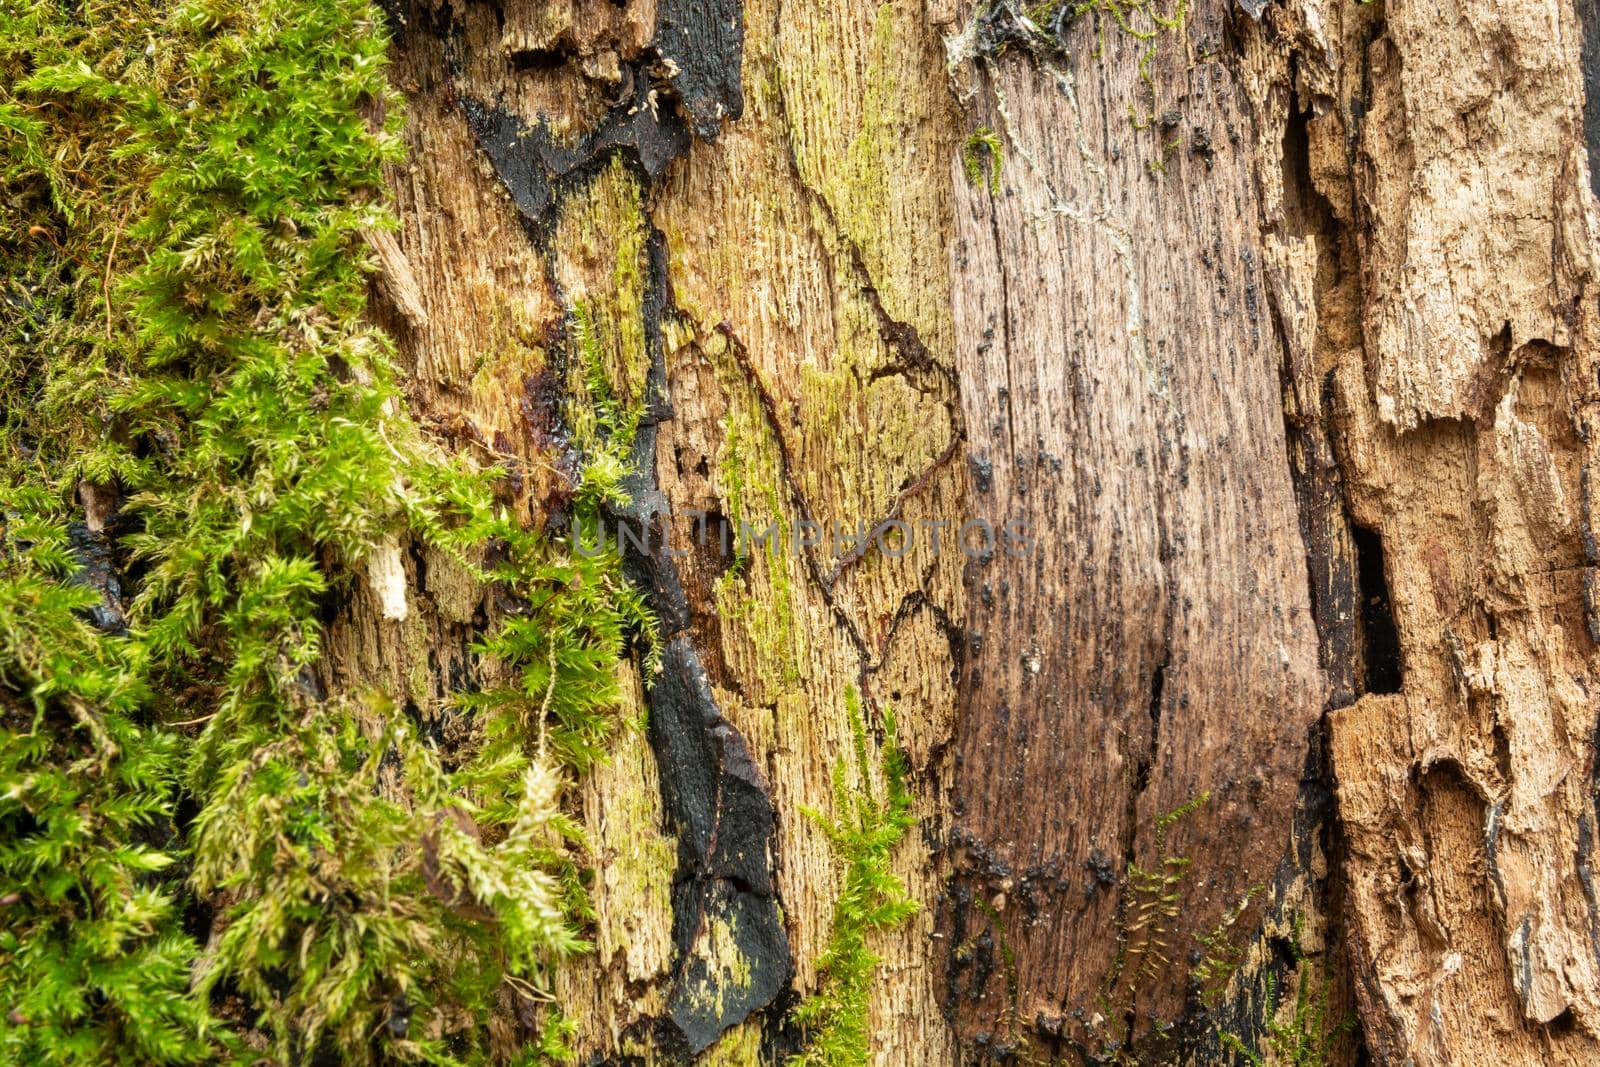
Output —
<point x="1152" y="897"/>
<point x="867" y="824"/>
<point x="1308" y="1036"/>
<point x="980" y="155"/>
<point x="1140" y="20"/>
<point x="204" y="855"/>
<point x="1218" y="954"/>
<point x="1043" y="29"/>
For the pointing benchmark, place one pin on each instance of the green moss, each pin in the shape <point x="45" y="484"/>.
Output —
<point x="185" y="191"/>
<point x="94" y="963"/>
<point x="865" y="829"/>
<point x="741" y="1046"/>
<point x="867" y="177"/>
<point x="1140" y="21"/>
<point x="1151" y="900"/>
<point x="730" y="478"/>
<point x="727" y="969"/>
<point x="608" y="357"/>
<point x="1219" y="956"/>
<point x="1158" y="165"/>
<point x="982" y="151"/>
<point x="1308" y="1037"/>
<point x="603" y="428"/>
<point x="849" y="142"/>
<point x="1154" y="896"/>
<point x="1008" y="961"/>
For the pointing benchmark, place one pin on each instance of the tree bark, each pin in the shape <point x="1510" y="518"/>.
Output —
<point x="1274" y="329"/>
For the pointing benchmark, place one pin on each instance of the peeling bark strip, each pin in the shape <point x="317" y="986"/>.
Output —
<point x="708" y="947"/>
<point x="811" y="381"/>
<point x="805" y="351"/>
<point x="732" y="952"/>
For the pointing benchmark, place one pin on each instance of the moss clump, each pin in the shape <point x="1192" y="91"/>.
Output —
<point x="194" y="403"/>
<point x="864" y="832"/>
<point x="1307" y="1038"/>
<point x="610" y="359"/>
<point x="1138" y="19"/>
<point x="94" y="963"/>
<point x="981" y="151"/>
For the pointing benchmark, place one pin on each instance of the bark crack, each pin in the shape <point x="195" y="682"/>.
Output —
<point x="769" y="410"/>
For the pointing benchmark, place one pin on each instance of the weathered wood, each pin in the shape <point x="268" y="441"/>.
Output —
<point x="565" y="164"/>
<point x="1285" y="357"/>
<point x="1120" y="373"/>
<point x="810" y="380"/>
<point x="1451" y="321"/>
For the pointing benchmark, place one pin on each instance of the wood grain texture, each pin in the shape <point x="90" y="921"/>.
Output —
<point x="811" y="382"/>
<point x="787" y="279"/>
<point x="1120" y="373"/>
<point x="1286" y="358"/>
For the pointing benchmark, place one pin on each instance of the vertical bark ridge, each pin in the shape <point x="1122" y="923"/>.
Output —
<point x="628" y="179"/>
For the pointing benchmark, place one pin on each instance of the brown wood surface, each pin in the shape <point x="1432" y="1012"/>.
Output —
<point x="1120" y="371"/>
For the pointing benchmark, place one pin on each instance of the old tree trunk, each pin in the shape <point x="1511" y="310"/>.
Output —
<point x="1276" y="325"/>
<point x="1263" y="338"/>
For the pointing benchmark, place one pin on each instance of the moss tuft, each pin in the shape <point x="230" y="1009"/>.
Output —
<point x="864" y="831"/>
<point x="1042" y="31"/>
<point x="982" y="151"/>
<point x="1308" y="1037"/>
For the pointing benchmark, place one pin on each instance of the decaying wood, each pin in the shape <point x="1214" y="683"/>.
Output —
<point x="783" y="277"/>
<point x="1285" y="357"/>
<point x="1451" y="328"/>
<point x="1120" y="380"/>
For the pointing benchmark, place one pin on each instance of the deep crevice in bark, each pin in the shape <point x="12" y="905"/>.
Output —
<point x="1380" y="640"/>
<point x="1589" y="59"/>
